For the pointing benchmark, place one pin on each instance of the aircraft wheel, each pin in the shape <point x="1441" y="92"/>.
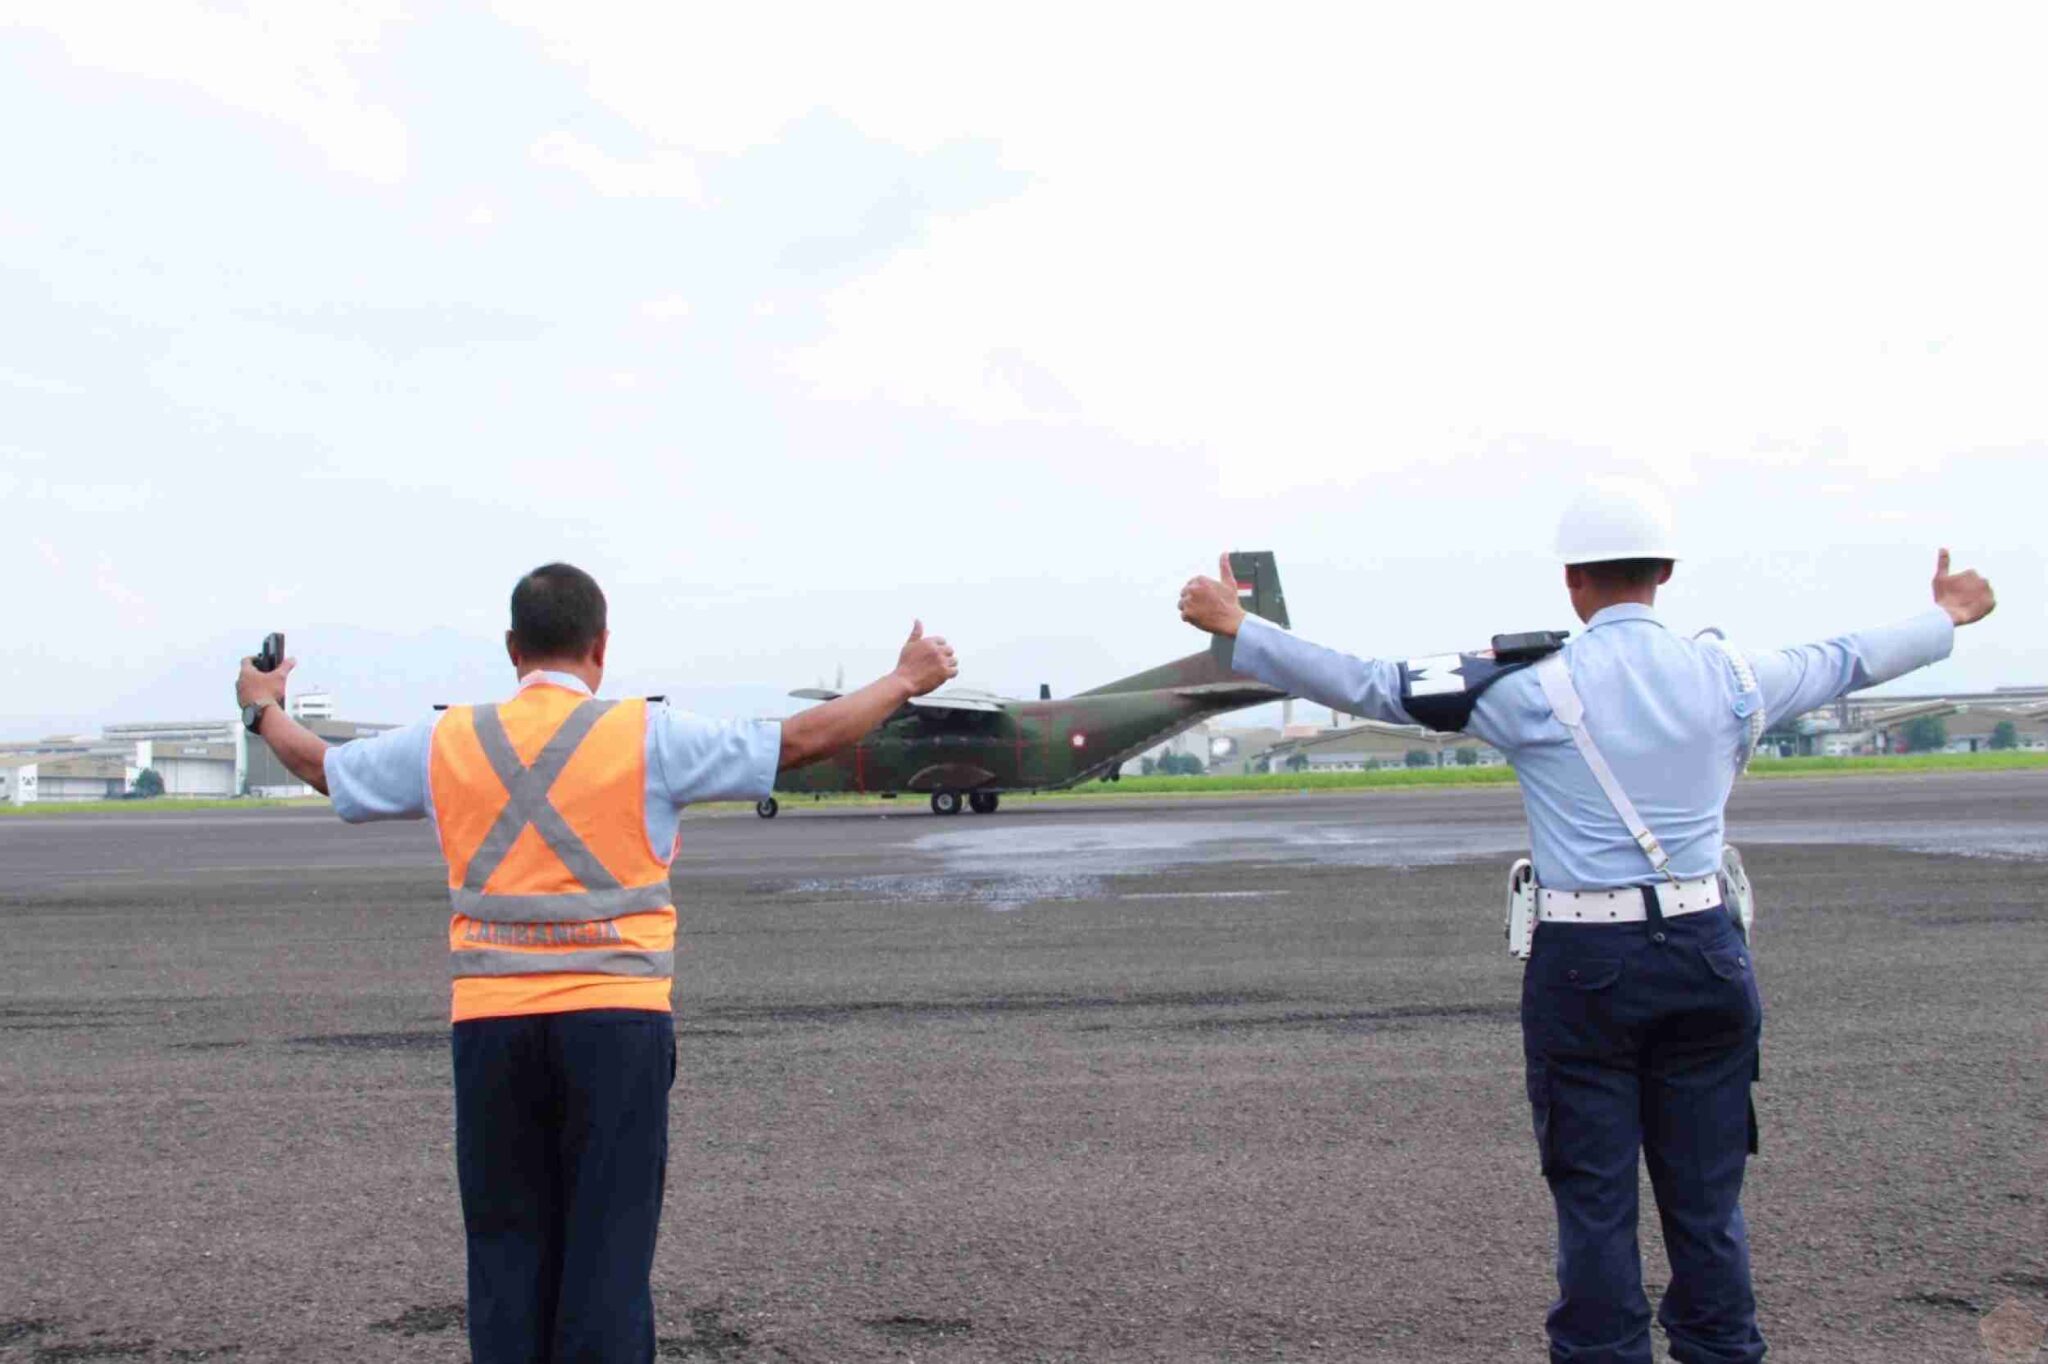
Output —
<point x="982" y="802"/>
<point x="945" y="802"/>
<point x="767" y="809"/>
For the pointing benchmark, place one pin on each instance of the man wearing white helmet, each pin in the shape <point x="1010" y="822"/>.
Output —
<point x="1640" y="1014"/>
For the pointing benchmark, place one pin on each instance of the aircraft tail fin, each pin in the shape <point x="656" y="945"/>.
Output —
<point x="1258" y="589"/>
<point x="1258" y="584"/>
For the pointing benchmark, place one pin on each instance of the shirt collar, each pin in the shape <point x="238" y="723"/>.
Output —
<point x="541" y="677"/>
<point x="1624" y="610"/>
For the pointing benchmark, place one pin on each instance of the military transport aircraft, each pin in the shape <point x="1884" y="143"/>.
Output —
<point x="966" y="747"/>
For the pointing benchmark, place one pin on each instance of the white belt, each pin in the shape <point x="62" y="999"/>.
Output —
<point x="1625" y="906"/>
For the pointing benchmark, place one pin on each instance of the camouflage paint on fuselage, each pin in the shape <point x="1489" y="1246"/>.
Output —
<point x="1046" y="744"/>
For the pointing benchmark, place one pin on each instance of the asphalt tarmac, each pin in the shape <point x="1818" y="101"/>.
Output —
<point x="1218" y="1080"/>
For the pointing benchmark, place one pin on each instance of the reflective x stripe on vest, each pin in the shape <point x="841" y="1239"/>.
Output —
<point x="510" y="932"/>
<point x="602" y="896"/>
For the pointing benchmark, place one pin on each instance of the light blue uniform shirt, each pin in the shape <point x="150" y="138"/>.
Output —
<point x="689" y="759"/>
<point x="1663" y="709"/>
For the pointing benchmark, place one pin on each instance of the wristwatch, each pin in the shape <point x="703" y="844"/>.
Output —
<point x="252" y="717"/>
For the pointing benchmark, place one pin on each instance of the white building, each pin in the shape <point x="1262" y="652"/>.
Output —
<point x="194" y="757"/>
<point x="33" y="780"/>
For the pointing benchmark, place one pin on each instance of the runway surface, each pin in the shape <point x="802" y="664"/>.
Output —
<point x="1120" y="1081"/>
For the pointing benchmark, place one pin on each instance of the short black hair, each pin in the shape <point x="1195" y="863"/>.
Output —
<point x="557" y="612"/>
<point x="1626" y="572"/>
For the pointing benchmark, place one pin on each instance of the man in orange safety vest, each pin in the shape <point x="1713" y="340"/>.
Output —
<point x="557" y="818"/>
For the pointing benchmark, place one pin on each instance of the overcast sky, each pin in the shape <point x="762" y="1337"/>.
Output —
<point x="792" y="324"/>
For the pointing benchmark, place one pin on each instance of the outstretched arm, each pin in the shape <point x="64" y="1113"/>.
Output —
<point x="1359" y="686"/>
<point x="303" y="753"/>
<point x="1795" y="681"/>
<point x="925" y="664"/>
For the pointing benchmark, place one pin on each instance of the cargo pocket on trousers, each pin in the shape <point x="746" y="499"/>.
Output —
<point x="1730" y="962"/>
<point x="1537" y="1076"/>
<point x="1586" y="976"/>
<point x="1756" y="1073"/>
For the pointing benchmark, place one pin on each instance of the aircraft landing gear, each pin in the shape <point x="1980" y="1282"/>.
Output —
<point x="982" y="802"/>
<point x="945" y="802"/>
<point x="768" y="808"/>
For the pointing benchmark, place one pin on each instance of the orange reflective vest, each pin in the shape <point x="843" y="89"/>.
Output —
<point x="560" y="901"/>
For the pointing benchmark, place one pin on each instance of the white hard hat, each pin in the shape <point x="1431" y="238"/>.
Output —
<point x="1617" y="518"/>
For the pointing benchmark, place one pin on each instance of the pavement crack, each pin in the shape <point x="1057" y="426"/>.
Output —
<point x="909" y="1327"/>
<point x="710" y="1338"/>
<point x="1949" y="1302"/>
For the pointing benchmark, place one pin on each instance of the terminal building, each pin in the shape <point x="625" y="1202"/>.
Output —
<point x="204" y="759"/>
<point x="2012" y="718"/>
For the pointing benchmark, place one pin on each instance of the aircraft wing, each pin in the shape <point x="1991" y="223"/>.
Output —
<point x="1247" y="692"/>
<point x="955" y="703"/>
<point x="923" y="702"/>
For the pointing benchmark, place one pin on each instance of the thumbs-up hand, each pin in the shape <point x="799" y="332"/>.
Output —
<point x="1965" y="596"/>
<point x="926" y="664"/>
<point x="1211" y="603"/>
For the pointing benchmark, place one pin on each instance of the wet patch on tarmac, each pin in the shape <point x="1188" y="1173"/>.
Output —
<point x="1996" y="842"/>
<point x="1202" y="895"/>
<point x="2034" y="1283"/>
<point x="14" y="1330"/>
<point x="1107" y="847"/>
<point x="1947" y="1302"/>
<point x="1001" y="895"/>
<point x="426" y="1321"/>
<point x="1011" y="892"/>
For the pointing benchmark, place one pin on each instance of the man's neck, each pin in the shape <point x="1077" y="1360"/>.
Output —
<point x="577" y="668"/>
<point x="1632" y="596"/>
<point x="1588" y="605"/>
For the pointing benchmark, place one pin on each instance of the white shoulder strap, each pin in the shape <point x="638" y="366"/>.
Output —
<point x="1749" y="702"/>
<point x="1555" y="675"/>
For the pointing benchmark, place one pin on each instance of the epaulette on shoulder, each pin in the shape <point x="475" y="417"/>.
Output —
<point x="1441" y="690"/>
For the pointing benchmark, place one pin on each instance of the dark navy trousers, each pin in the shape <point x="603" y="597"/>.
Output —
<point x="561" y="1148"/>
<point x="1643" y="1038"/>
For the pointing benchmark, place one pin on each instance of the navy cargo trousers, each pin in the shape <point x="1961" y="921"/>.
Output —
<point x="561" y="1149"/>
<point x="1643" y="1037"/>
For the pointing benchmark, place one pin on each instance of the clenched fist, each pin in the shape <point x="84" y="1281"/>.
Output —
<point x="253" y="688"/>
<point x="926" y="664"/>
<point x="1965" y="596"/>
<point x="1211" y="603"/>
